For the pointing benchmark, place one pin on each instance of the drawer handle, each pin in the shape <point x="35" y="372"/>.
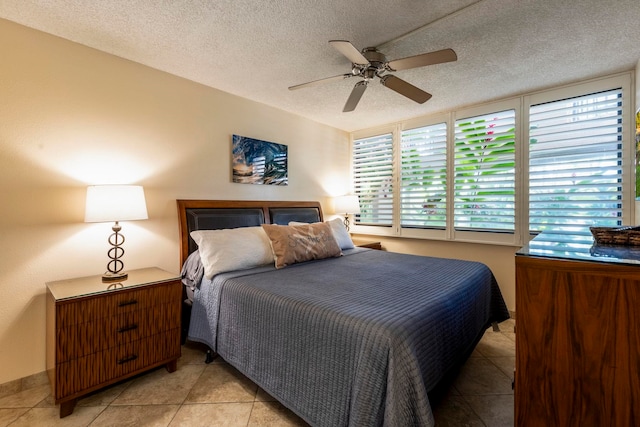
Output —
<point x="126" y="303"/>
<point x="128" y="328"/>
<point x="127" y="359"/>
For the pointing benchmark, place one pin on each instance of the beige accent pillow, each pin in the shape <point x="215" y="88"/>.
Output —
<point x="339" y="232"/>
<point x="299" y="243"/>
<point x="232" y="249"/>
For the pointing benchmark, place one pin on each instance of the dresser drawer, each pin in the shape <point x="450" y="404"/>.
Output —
<point x="79" y="375"/>
<point x="82" y="339"/>
<point x="99" y="306"/>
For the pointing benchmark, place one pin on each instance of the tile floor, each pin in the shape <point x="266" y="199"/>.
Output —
<point x="217" y="395"/>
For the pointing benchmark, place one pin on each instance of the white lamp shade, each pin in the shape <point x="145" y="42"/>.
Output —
<point x="348" y="204"/>
<point x="109" y="203"/>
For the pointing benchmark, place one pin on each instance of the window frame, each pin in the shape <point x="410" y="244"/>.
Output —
<point x="419" y="167"/>
<point x="623" y="81"/>
<point x="424" y="233"/>
<point x="521" y="105"/>
<point x="481" y="236"/>
<point x="380" y="230"/>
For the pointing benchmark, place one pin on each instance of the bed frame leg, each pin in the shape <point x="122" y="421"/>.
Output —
<point x="495" y="326"/>
<point x="209" y="356"/>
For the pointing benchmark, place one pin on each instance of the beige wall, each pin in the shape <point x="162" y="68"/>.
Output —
<point x="72" y="116"/>
<point x="500" y="259"/>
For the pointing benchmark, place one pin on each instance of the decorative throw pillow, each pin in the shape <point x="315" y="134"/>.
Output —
<point x="299" y="243"/>
<point x="339" y="232"/>
<point x="232" y="249"/>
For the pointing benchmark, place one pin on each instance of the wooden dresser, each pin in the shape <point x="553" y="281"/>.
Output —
<point x="100" y="333"/>
<point x="578" y="334"/>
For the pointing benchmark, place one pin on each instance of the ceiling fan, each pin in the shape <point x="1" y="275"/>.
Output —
<point x="371" y="63"/>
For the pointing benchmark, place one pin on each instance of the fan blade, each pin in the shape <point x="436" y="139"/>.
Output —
<point x="321" y="81"/>
<point x="349" y="50"/>
<point x="355" y="96"/>
<point x="437" y="57"/>
<point x="404" y="88"/>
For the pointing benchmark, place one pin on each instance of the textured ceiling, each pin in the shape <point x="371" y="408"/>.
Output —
<point x="256" y="49"/>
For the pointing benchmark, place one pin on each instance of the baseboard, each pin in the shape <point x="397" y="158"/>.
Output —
<point x="25" y="383"/>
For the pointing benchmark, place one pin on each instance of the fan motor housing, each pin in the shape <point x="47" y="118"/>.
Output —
<point x="375" y="57"/>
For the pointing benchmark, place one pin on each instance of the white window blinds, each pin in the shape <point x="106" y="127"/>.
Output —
<point x="373" y="179"/>
<point x="575" y="172"/>
<point x="484" y="168"/>
<point x="423" y="177"/>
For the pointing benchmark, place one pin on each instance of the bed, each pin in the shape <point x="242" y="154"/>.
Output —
<point x="354" y="339"/>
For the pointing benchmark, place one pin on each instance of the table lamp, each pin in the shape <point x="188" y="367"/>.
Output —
<point x="348" y="204"/>
<point x="107" y="203"/>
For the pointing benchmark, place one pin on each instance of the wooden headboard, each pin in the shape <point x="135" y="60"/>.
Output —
<point x="218" y="214"/>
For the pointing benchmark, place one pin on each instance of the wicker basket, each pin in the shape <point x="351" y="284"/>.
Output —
<point x="626" y="236"/>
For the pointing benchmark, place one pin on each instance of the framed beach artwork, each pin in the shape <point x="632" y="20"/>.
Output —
<point x="259" y="162"/>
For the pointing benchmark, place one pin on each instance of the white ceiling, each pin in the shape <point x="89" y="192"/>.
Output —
<point x="256" y="49"/>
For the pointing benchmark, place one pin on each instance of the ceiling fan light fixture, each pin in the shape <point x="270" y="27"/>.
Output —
<point x="371" y="63"/>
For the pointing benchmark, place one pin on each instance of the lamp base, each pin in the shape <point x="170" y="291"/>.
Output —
<point x="114" y="277"/>
<point x="346" y="221"/>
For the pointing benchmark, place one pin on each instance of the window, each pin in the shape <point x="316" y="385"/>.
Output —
<point x="575" y="163"/>
<point x="557" y="161"/>
<point x="484" y="182"/>
<point x="373" y="179"/>
<point x="423" y="177"/>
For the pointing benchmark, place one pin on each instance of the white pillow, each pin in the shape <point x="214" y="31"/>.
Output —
<point x="232" y="249"/>
<point x="339" y="232"/>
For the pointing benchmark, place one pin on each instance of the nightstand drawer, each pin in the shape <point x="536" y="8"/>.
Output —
<point x="100" y="306"/>
<point x="97" y="335"/>
<point x="87" y="372"/>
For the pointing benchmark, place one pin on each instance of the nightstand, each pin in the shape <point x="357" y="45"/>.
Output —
<point x="367" y="244"/>
<point x="100" y="333"/>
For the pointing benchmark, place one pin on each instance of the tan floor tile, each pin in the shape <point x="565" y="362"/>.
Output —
<point x="507" y="325"/>
<point x="273" y="414"/>
<point x="481" y="377"/>
<point x="9" y="415"/>
<point x="222" y="383"/>
<point x="213" y="415"/>
<point x="26" y="398"/>
<point x="136" y="416"/>
<point x="495" y="344"/>
<point x="495" y="411"/>
<point x="263" y="396"/>
<point x="47" y="402"/>
<point x="475" y="353"/>
<point x="508" y="329"/>
<point x="193" y="353"/>
<point x="103" y="397"/>
<point x="505" y="364"/>
<point x="106" y="396"/>
<point x="454" y="411"/>
<point x="160" y="387"/>
<point x="50" y="417"/>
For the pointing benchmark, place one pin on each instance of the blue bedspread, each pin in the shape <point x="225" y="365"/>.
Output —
<point x="352" y="341"/>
